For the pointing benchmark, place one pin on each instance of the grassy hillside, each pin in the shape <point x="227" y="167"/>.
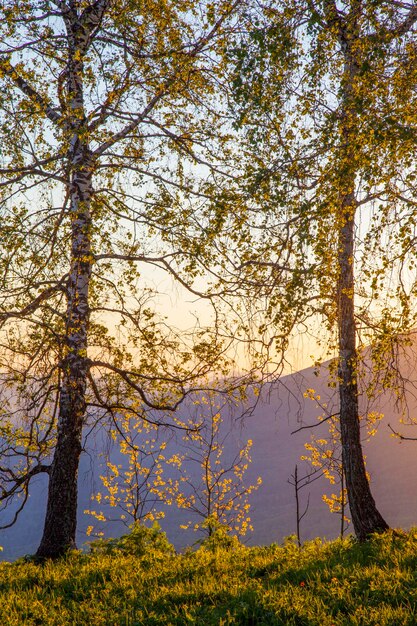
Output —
<point x="140" y="581"/>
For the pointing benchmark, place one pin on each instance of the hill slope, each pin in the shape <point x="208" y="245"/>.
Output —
<point x="281" y="410"/>
<point x="335" y="584"/>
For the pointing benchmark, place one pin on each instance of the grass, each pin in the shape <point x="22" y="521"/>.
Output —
<point x="143" y="582"/>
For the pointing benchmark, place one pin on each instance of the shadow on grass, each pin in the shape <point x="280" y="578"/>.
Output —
<point x="343" y="583"/>
<point x="247" y="608"/>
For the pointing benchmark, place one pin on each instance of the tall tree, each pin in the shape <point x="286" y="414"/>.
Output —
<point x="106" y="115"/>
<point x="363" y="39"/>
<point x="311" y="82"/>
<point x="347" y="27"/>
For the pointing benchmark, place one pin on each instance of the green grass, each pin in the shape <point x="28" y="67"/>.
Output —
<point x="136" y="583"/>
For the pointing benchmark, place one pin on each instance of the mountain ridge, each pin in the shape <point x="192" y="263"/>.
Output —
<point x="280" y="410"/>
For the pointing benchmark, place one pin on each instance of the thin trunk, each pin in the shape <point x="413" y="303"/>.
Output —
<point x="365" y="516"/>
<point x="297" y="504"/>
<point x="342" y="504"/>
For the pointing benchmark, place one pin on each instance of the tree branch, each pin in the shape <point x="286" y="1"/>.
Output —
<point x="314" y="425"/>
<point x="31" y="308"/>
<point x="402" y="437"/>
<point x="164" y="88"/>
<point x="9" y="70"/>
<point x="25" y="478"/>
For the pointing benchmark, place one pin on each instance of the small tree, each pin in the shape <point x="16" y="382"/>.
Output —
<point x="299" y="483"/>
<point x="211" y="473"/>
<point x="130" y="487"/>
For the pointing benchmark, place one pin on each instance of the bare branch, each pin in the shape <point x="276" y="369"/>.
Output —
<point x="400" y="436"/>
<point x="328" y="417"/>
<point x="24" y="479"/>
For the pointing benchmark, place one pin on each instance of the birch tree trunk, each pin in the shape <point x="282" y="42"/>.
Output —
<point x="365" y="516"/>
<point x="61" y="514"/>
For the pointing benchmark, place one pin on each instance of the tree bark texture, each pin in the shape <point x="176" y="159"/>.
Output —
<point x="365" y="516"/>
<point x="61" y="515"/>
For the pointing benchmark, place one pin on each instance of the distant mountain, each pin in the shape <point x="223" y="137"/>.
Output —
<point x="279" y="411"/>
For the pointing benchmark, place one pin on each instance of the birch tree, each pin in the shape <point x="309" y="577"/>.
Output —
<point x="323" y="79"/>
<point x="108" y="162"/>
<point x="364" y="41"/>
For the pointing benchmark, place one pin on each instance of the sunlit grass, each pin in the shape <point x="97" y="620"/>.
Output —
<point x="321" y="584"/>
